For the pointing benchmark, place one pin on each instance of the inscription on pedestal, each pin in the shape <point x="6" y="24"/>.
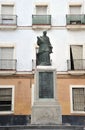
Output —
<point x="46" y="89"/>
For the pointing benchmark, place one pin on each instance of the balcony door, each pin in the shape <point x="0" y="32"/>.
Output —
<point x="76" y="57"/>
<point x="75" y="14"/>
<point x="6" y="58"/>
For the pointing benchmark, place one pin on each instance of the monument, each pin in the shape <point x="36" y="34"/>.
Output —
<point x="46" y="109"/>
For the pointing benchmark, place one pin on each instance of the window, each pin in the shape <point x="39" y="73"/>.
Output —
<point x="6" y="58"/>
<point x="41" y="18"/>
<point x="78" y="98"/>
<point x="7" y="15"/>
<point x="6" y="98"/>
<point x="76" y="57"/>
<point x="75" y="14"/>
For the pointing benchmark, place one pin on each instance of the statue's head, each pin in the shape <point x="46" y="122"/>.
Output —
<point x="44" y="32"/>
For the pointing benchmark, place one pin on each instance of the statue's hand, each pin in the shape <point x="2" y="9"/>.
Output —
<point x="37" y="37"/>
<point x="38" y="40"/>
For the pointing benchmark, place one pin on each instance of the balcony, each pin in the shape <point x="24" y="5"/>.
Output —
<point x="8" y="66"/>
<point x="41" y="21"/>
<point x="77" y="66"/>
<point x="8" y="21"/>
<point x="75" y="21"/>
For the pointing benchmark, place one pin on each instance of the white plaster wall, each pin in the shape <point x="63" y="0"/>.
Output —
<point x="25" y="39"/>
<point x="25" y="8"/>
<point x="24" y="46"/>
<point x="57" y="8"/>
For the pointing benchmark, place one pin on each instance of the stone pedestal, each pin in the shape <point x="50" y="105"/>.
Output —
<point x="46" y="109"/>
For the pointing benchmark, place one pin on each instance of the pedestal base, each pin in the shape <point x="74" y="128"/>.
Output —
<point x="46" y="109"/>
<point x="46" y="114"/>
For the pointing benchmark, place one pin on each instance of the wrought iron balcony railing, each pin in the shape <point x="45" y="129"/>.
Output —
<point x="75" y="19"/>
<point x="8" y="19"/>
<point x="8" y="64"/>
<point x="76" y="64"/>
<point x="41" y="19"/>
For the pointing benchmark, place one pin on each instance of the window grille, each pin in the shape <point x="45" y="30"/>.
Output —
<point x="5" y="99"/>
<point x="78" y="95"/>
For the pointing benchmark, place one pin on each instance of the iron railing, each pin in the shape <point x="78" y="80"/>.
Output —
<point x="41" y="19"/>
<point x="72" y="19"/>
<point x="8" y="64"/>
<point x="76" y="64"/>
<point x="8" y="19"/>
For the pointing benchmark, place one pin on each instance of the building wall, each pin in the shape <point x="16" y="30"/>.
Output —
<point x="64" y="83"/>
<point x="22" y="92"/>
<point x="24" y="39"/>
<point x="23" y="99"/>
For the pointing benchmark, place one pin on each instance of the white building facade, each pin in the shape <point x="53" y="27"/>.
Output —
<point x="25" y="28"/>
<point x="21" y="21"/>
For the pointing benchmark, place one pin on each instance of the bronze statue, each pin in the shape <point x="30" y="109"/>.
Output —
<point x="45" y="49"/>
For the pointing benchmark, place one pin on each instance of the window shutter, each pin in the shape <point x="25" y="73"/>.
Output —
<point x="75" y="9"/>
<point x="7" y="9"/>
<point x="7" y="52"/>
<point x="76" y="54"/>
<point x="5" y="99"/>
<point x="77" y="51"/>
<point x="6" y="56"/>
<point x="41" y="10"/>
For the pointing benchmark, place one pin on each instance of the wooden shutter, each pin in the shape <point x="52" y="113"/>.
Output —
<point x="6" y="56"/>
<point x="7" y="9"/>
<point x="7" y="52"/>
<point x="41" y="10"/>
<point x="76" y="56"/>
<point x="75" y="9"/>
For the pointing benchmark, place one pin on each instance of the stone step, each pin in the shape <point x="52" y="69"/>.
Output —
<point x="42" y="127"/>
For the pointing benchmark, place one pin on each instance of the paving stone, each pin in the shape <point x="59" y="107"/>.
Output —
<point x="42" y="127"/>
